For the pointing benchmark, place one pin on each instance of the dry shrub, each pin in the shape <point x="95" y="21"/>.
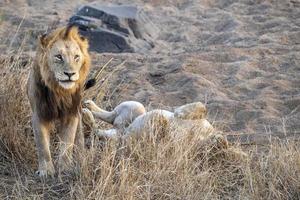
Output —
<point x="154" y="166"/>
<point x="15" y="130"/>
<point x="275" y="174"/>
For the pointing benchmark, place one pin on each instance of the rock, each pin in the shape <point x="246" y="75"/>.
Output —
<point x="115" y="28"/>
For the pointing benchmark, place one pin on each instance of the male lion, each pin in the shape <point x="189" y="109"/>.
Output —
<point x="54" y="90"/>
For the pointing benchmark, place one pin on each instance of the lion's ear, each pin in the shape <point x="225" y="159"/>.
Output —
<point x="71" y="31"/>
<point x="43" y="40"/>
<point x="82" y="38"/>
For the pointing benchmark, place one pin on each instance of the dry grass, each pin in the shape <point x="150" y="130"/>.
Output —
<point x="148" y="168"/>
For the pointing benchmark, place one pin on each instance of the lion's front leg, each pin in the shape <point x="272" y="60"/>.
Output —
<point x="79" y="150"/>
<point x="67" y="137"/>
<point x="79" y="139"/>
<point x="42" y="139"/>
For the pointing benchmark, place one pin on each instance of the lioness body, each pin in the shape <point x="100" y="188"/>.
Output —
<point x="54" y="91"/>
<point x="121" y="116"/>
<point x="139" y="120"/>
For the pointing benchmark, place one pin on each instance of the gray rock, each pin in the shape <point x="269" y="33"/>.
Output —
<point x="115" y="28"/>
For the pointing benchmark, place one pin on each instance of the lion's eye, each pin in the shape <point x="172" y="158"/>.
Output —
<point x="59" y="57"/>
<point x="76" y="58"/>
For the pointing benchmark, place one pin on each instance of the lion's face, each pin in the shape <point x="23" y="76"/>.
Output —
<point x="65" y="60"/>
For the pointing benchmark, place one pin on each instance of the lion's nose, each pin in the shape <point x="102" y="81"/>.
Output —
<point x="69" y="74"/>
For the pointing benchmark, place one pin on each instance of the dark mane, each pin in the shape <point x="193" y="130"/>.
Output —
<point x="53" y="106"/>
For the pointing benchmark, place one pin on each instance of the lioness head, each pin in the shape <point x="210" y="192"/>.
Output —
<point x="63" y="58"/>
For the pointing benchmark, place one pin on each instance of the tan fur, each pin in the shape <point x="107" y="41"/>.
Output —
<point x="54" y="95"/>
<point x="184" y="117"/>
<point x="121" y="116"/>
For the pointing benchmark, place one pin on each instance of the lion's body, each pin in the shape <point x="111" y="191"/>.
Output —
<point x="54" y="91"/>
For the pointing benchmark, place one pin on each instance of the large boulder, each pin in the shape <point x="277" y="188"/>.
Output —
<point x="115" y="28"/>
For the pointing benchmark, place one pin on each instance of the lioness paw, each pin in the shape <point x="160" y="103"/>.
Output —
<point x="88" y="118"/>
<point x="110" y="133"/>
<point x="90" y="105"/>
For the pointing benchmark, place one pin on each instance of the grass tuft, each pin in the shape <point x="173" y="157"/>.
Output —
<point x="156" y="166"/>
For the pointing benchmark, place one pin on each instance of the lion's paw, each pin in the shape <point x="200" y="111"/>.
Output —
<point x="64" y="164"/>
<point x="46" y="170"/>
<point x="43" y="173"/>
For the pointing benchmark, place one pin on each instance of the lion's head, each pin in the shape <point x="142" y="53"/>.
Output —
<point x="63" y="59"/>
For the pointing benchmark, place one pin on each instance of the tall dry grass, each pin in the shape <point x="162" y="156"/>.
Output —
<point x="151" y="167"/>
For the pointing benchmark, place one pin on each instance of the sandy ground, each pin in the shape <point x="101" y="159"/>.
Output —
<point x="242" y="58"/>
